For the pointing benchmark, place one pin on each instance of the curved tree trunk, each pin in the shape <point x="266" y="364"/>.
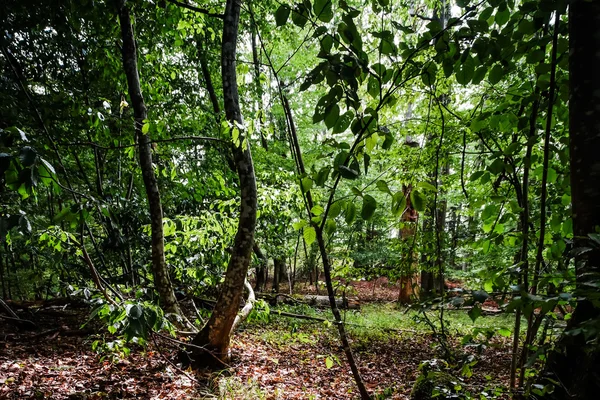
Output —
<point x="162" y="282"/>
<point x="214" y="337"/>
<point x="576" y="363"/>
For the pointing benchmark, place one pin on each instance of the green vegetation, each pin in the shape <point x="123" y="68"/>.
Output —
<point x="426" y="169"/>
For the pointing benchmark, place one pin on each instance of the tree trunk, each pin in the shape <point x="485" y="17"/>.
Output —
<point x="259" y="90"/>
<point x="278" y="272"/>
<point x="576" y="363"/>
<point x="261" y="270"/>
<point x="215" y="335"/>
<point x="407" y="234"/>
<point x="162" y="282"/>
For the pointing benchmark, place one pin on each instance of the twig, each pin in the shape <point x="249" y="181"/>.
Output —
<point x="194" y="346"/>
<point x="195" y="8"/>
<point x="191" y="378"/>
<point x="197" y="312"/>
<point x="20" y="321"/>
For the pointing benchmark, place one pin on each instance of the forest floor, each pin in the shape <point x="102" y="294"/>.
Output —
<point x="272" y="358"/>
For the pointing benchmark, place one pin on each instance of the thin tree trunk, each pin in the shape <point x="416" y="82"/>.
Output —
<point x="364" y="394"/>
<point x="278" y="271"/>
<point x="261" y="270"/>
<point x="533" y="321"/>
<point x="259" y="91"/>
<point x="207" y="78"/>
<point x="4" y="292"/>
<point x="215" y="335"/>
<point x="162" y="281"/>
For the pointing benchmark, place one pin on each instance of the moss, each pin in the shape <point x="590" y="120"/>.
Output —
<point x="427" y="382"/>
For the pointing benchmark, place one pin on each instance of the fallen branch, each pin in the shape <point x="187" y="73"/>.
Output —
<point x="62" y="331"/>
<point x="20" y="321"/>
<point x="299" y="316"/>
<point x="8" y="309"/>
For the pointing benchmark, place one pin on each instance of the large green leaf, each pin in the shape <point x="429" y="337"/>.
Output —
<point x="310" y="235"/>
<point x="465" y="71"/>
<point x="282" y="14"/>
<point x="368" y="207"/>
<point x="495" y="74"/>
<point x="323" y="10"/>
<point x="398" y="203"/>
<point x="349" y="212"/>
<point x="343" y="122"/>
<point x="418" y="200"/>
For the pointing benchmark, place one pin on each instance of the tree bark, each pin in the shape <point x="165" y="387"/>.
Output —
<point x="162" y="281"/>
<point x="259" y="91"/>
<point x="215" y="335"/>
<point x="261" y="270"/>
<point x="576" y="363"/>
<point x="278" y="272"/>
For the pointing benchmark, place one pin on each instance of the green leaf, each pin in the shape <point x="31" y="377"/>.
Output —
<point x="356" y="191"/>
<point x="502" y="17"/>
<point x="135" y="311"/>
<point x="373" y="87"/>
<point x="552" y="175"/>
<point x="426" y="186"/>
<point x="534" y="57"/>
<point x="343" y="122"/>
<point x="465" y="71"/>
<point x="504" y="332"/>
<point x="348" y="173"/>
<point x="417" y="200"/>
<point x="326" y="44"/>
<point x="368" y="207"/>
<point x="322" y="176"/>
<point x="334" y="210"/>
<point x="371" y="142"/>
<point x="398" y="203"/>
<point x="475" y="312"/>
<point x="146" y="128"/>
<point x="299" y="16"/>
<point x="310" y="235"/>
<point x="383" y="186"/>
<point x="323" y="10"/>
<point x="495" y="74"/>
<point x="328" y="362"/>
<point x="476" y="175"/>
<point x="317" y="210"/>
<point x="299" y="225"/>
<point x="282" y="14"/>
<point x="479" y="74"/>
<point x="350" y="212"/>
<point x="496" y="167"/>
<point x="306" y="184"/>
<point x="331" y="115"/>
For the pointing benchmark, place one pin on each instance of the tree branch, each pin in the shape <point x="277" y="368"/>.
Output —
<point x="195" y="8"/>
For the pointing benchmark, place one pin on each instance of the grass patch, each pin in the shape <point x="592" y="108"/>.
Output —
<point x="375" y="322"/>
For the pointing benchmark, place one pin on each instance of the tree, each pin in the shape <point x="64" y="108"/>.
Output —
<point x="162" y="281"/>
<point x="214" y="337"/>
<point x="574" y="367"/>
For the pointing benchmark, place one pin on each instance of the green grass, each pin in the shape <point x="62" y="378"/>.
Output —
<point x="376" y="321"/>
